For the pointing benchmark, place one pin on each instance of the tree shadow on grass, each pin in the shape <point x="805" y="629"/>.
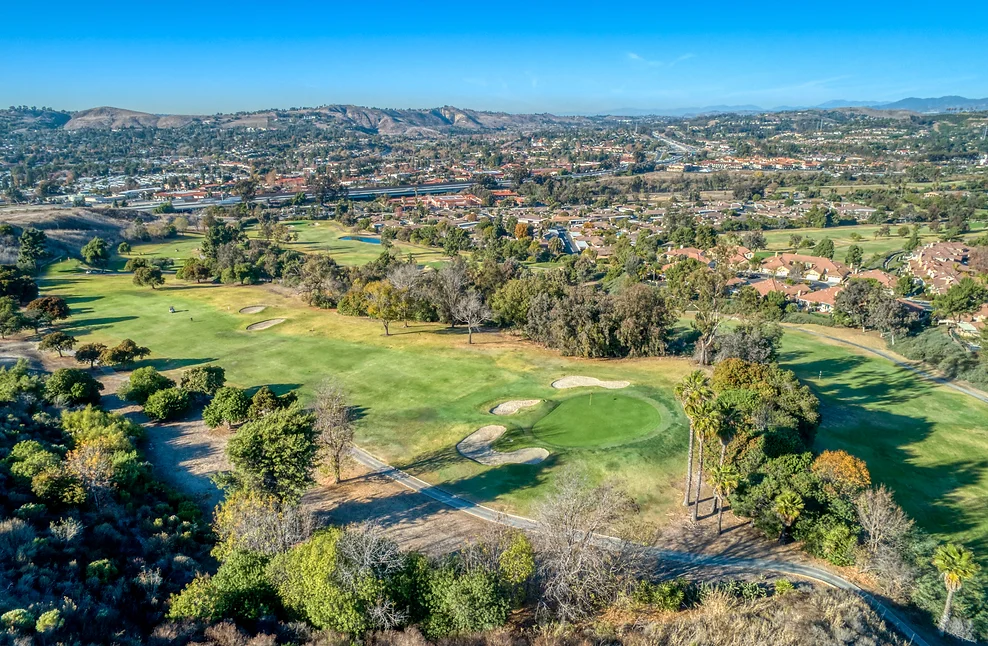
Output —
<point x="167" y="363"/>
<point x="857" y="416"/>
<point x="85" y="326"/>
<point x="74" y="300"/>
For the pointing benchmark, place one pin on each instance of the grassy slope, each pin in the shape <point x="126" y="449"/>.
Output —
<point x="420" y="391"/>
<point x="841" y="236"/>
<point x="927" y="442"/>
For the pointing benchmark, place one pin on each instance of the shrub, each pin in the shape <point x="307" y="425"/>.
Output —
<point x="71" y="387"/>
<point x="143" y="383"/>
<point x="783" y="587"/>
<point x="462" y="602"/>
<point x="668" y="595"/>
<point x="29" y="458"/>
<point x="18" y="620"/>
<point x="49" y="622"/>
<point x="166" y="404"/>
<point x="229" y="406"/>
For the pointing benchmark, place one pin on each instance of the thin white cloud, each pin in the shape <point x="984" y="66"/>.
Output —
<point x="641" y="60"/>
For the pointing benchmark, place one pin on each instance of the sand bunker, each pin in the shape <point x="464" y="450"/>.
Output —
<point x="513" y="406"/>
<point x="263" y="325"/>
<point x="477" y="447"/>
<point x="253" y="309"/>
<point x="579" y="382"/>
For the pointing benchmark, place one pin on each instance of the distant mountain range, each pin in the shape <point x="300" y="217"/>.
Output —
<point x="912" y="104"/>
<point x="424" y="122"/>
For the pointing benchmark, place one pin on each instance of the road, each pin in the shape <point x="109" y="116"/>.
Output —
<point x="689" y="558"/>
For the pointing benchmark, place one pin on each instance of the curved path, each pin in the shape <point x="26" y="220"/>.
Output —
<point x="486" y="513"/>
<point x="943" y="381"/>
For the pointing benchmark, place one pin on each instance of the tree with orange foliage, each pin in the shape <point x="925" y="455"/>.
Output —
<point x="521" y="230"/>
<point x="841" y="471"/>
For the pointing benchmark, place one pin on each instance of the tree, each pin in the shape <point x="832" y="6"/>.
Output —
<point x="49" y="308"/>
<point x="841" y="472"/>
<point x="148" y="277"/>
<point x="17" y="284"/>
<point x="449" y="286"/>
<point x="276" y="453"/>
<point x="824" y="248"/>
<point x="725" y="479"/>
<point x="383" y="303"/>
<point x="32" y="250"/>
<point x="406" y="278"/>
<point x="334" y="423"/>
<point x="57" y="342"/>
<point x="264" y="401"/>
<point x="883" y="521"/>
<point x="166" y="404"/>
<point x="693" y="390"/>
<point x="96" y="253"/>
<point x="125" y="352"/>
<point x="89" y="353"/>
<point x="956" y="565"/>
<point x="962" y="298"/>
<point x="327" y="189"/>
<point x="788" y="506"/>
<point x="252" y="521"/>
<point x="707" y="420"/>
<point x="70" y="387"/>
<point x="579" y="575"/>
<point x="646" y="318"/>
<point x="246" y="188"/>
<point x="143" y="383"/>
<point x="854" y="256"/>
<point x="521" y="231"/>
<point x="194" y="269"/>
<point x="229" y="406"/>
<point x="473" y="312"/>
<point x="11" y="320"/>
<point x="203" y="380"/>
<point x="123" y="247"/>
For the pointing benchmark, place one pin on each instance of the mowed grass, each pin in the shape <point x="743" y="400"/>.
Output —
<point x="925" y="441"/>
<point x="417" y="392"/>
<point x="841" y="236"/>
<point x="597" y="419"/>
<point x="325" y="237"/>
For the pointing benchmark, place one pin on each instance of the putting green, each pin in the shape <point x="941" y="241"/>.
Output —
<point x="598" y="419"/>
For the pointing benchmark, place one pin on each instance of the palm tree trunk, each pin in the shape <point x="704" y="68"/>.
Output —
<point x="945" y="617"/>
<point x="699" y="480"/>
<point x="689" y="470"/>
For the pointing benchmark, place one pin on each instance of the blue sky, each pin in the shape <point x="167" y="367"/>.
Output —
<point x="206" y="57"/>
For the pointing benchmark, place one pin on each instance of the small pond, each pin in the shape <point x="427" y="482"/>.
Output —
<point x="366" y="239"/>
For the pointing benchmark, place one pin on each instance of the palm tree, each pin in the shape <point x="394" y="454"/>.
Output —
<point x="707" y="422"/>
<point x="788" y="506"/>
<point x="956" y="564"/>
<point x="691" y="391"/>
<point x="725" y="479"/>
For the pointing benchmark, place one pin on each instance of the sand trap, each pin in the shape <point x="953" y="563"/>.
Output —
<point x="580" y="382"/>
<point x="263" y="325"/>
<point x="477" y="447"/>
<point x="253" y="309"/>
<point x="513" y="406"/>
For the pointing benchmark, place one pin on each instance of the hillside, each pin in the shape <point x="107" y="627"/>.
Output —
<point x="350" y="117"/>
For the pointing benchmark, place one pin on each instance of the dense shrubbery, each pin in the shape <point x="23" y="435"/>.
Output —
<point x="90" y="544"/>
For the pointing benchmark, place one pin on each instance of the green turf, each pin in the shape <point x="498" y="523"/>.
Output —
<point x="324" y="236"/>
<point x="925" y="441"/>
<point x="597" y="419"/>
<point x="418" y="392"/>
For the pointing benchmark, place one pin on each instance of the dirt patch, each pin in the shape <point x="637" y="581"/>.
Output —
<point x="513" y="406"/>
<point x="415" y="521"/>
<point x="477" y="447"/>
<point x="263" y="325"/>
<point x="185" y="454"/>
<point x="253" y="309"/>
<point x="583" y="382"/>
